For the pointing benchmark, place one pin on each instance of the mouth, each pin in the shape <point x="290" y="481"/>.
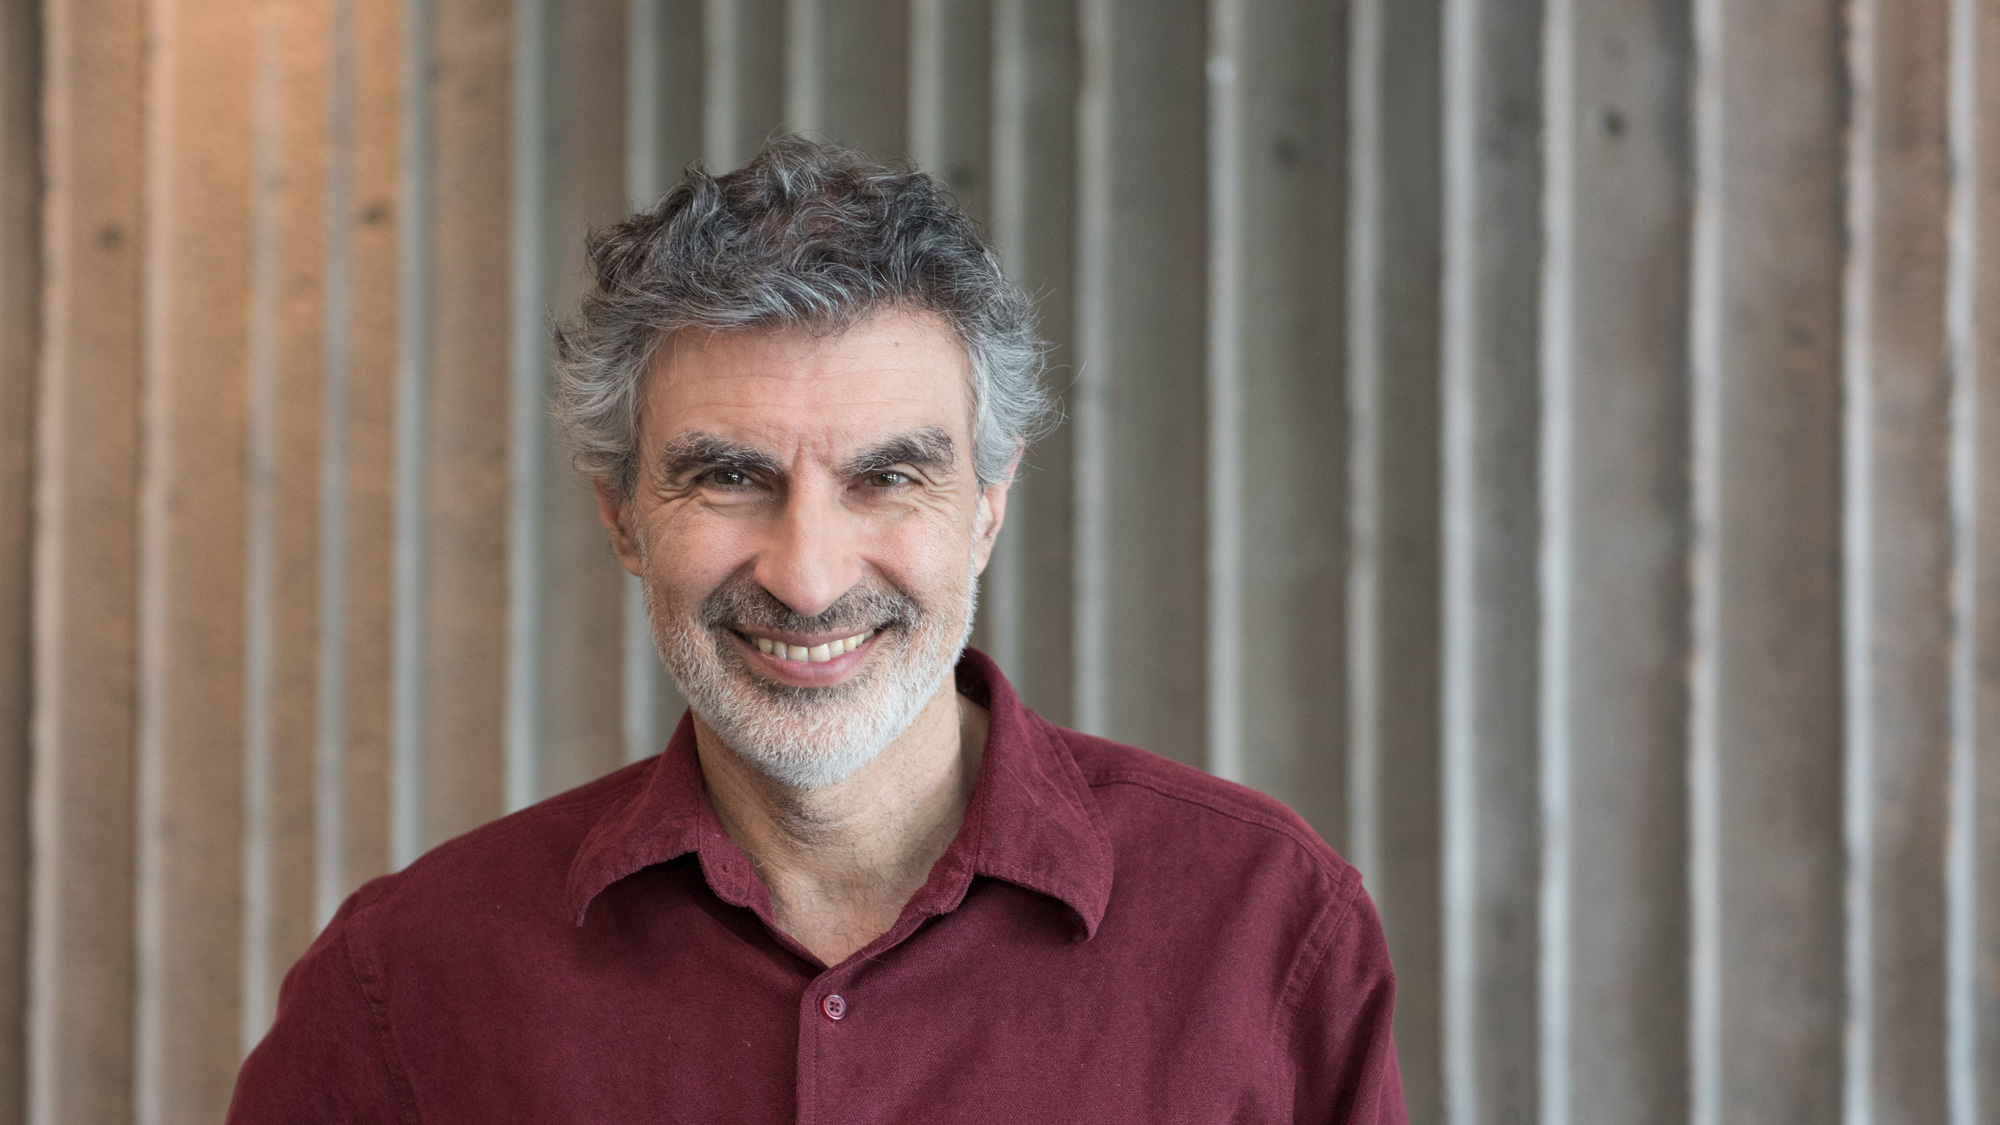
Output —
<point x="811" y="653"/>
<point x="807" y="661"/>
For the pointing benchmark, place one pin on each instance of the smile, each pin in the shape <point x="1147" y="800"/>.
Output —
<point x="816" y="654"/>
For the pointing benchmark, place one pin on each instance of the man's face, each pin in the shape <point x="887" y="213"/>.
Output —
<point x="807" y="527"/>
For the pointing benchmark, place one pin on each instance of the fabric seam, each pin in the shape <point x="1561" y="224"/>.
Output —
<point x="378" y="1010"/>
<point x="1313" y="953"/>
<point x="501" y="829"/>
<point x="1168" y="790"/>
<point x="1312" y="957"/>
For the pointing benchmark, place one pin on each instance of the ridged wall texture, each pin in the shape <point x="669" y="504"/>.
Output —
<point x="1552" y="444"/>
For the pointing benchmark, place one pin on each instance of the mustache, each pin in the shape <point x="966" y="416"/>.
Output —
<point x="742" y="602"/>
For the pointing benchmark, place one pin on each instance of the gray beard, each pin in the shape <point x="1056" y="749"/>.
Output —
<point x="809" y="738"/>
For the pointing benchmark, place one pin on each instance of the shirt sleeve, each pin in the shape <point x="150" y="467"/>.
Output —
<point x="1343" y="1052"/>
<point x="326" y="1058"/>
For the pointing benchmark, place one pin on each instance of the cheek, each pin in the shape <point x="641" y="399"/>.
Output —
<point x="929" y="558"/>
<point x="686" y="556"/>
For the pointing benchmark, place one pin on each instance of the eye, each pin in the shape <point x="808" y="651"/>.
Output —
<point x="727" y="478"/>
<point x="888" y="478"/>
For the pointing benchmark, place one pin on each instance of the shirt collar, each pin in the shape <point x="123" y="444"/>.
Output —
<point x="1031" y="821"/>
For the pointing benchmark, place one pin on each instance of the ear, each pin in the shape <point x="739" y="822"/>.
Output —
<point x="992" y="513"/>
<point x="613" y="510"/>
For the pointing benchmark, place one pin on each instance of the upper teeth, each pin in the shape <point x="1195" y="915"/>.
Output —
<point x="817" y="654"/>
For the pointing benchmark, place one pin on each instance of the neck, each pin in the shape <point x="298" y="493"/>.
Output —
<point x="841" y="861"/>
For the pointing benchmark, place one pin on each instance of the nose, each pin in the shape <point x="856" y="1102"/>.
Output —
<point x="809" y="557"/>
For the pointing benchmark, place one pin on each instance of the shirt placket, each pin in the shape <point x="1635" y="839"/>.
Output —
<point x="828" y="1010"/>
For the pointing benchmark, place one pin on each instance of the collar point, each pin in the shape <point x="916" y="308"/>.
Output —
<point x="1089" y="918"/>
<point x="579" y="905"/>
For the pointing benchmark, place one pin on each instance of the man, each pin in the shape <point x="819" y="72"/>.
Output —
<point x="862" y="883"/>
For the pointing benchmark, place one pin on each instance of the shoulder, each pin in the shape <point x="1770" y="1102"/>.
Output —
<point x="1159" y="810"/>
<point x="516" y="865"/>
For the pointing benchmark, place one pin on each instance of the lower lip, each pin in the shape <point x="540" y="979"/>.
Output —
<point x="805" y="673"/>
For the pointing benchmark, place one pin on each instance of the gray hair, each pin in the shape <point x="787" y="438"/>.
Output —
<point x="803" y="236"/>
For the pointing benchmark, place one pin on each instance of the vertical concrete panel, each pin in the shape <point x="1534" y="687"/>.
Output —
<point x="1766" y="744"/>
<point x="1140" y="390"/>
<point x="951" y="96"/>
<point x="532" y="78"/>
<point x="192" y="532"/>
<point x="286" y="357"/>
<point x="1026" y="610"/>
<point x="1277" y="415"/>
<point x="847" y="73"/>
<point x="20" y="352"/>
<point x="1394" y="214"/>
<point x="1896" y="564"/>
<point x="664" y="129"/>
<point x="1491" y="863"/>
<point x="462" y="672"/>
<point x="568" y="586"/>
<point x="1614" y="580"/>
<point x="357" y="479"/>
<point x="743" y="97"/>
<point x="665" y="99"/>
<point x="80" y="1003"/>
<point x="1976" y="1042"/>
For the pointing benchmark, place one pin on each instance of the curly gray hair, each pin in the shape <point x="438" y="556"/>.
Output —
<point x="803" y="236"/>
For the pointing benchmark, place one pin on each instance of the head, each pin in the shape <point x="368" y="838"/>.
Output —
<point x="802" y="389"/>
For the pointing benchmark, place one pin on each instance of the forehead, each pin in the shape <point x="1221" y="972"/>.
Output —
<point x="893" y="370"/>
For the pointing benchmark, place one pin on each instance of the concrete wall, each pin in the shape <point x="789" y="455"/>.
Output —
<point x="1553" y="444"/>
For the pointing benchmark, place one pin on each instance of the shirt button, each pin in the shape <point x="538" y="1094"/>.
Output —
<point x="833" y="1006"/>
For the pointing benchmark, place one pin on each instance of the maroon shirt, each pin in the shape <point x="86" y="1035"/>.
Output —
<point x="1111" y="937"/>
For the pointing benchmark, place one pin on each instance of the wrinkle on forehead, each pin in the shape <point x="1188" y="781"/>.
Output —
<point x="794" y="352"/>
<point x="793" y="392"/>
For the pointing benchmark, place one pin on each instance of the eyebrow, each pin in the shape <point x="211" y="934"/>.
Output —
<point x="697" y="451"/>
<point x="930" y="449"/>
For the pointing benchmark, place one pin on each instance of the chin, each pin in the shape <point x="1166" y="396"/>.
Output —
<point x="810" y="738"/>
<point x="813" y="737"/>
<point x="800" y="764"/>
